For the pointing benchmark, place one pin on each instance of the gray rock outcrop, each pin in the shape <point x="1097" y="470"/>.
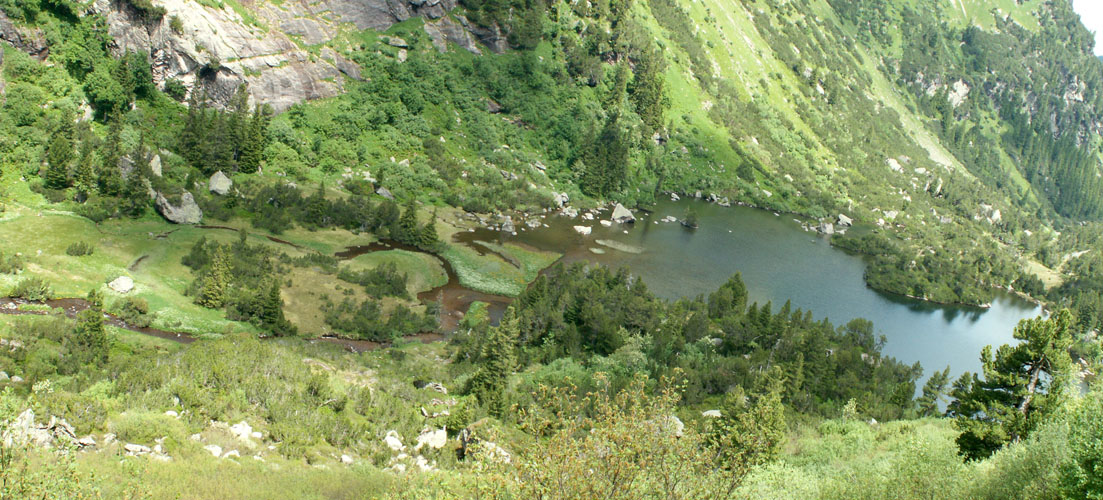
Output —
<point x="384" y="192"/>
<point x="187" y="212"/>
<point x="220" y="184"/>
<point x="122" y="284"/>
<point x="263" y="51"/>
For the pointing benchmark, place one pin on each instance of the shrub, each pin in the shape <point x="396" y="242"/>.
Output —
<point x="133" y="311"/>
<point x="79" y="249"/>
<point x="176" y="89"/>
<point x="10" y="264"/>
<point x="137" y="426"/>
<point x="32" y="288"/>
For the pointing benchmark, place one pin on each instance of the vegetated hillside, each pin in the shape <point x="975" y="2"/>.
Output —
<point x="814" y="107"/>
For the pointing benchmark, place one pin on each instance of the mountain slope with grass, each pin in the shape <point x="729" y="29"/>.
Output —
<point x="232" y="260"/>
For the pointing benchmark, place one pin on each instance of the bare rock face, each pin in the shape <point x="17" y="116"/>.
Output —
<point x="187" y="212"/>
<point x="217" y="50"/>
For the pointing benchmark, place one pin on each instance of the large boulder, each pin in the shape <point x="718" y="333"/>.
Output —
<point x="122" y="284"/>
<point x="220" y="184"/>
<point x="384" y="192"/>
<point x="155" y="165"/>
<point x="622" y="215"/>
<point x="187" y="212"/>
<point x="583" y="230"/>
<point x="845" y="221"/>
<point x="435" y="439"/>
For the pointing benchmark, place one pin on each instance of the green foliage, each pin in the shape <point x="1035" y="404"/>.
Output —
<point x="1022" y="386"/>
<point x="749" y="433"/>
<point x="934" y="391"/>
<point x="1082" y="477"/>
<point x="10" y="264"/>
<point x="497" y="361"/>
<point x="381" y="281"/>
<point x="175" y="89"/>
<point x="79" y="249"/>
<point x="32" y="288"/>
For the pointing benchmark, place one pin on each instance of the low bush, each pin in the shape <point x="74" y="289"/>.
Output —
<point x="80" y="249"/>
<point x="32" y="288"/>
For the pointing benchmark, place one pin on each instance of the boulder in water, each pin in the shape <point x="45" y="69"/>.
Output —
<point x="583" y="230"/>
<point x="622" y="215"/>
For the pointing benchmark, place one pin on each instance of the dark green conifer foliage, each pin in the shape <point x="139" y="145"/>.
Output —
<point x="1021" y="386"/>
<point x="498" y="359"/>
<point x="59" y="154"/>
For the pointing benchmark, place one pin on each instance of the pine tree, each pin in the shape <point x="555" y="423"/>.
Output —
<point x="933" y="392"/>
<point x="59" y="154"/>
<point x="408" y="227"/>
<point x="272" y="312"/>
<point x="212" y="293"/>
<point x="110" y="180"/>
<point x="1022" y="385"/>
<point x="647" y="89"/>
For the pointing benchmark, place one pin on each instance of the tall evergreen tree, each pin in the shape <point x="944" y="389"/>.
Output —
<point x="212" y="292"/>
<point x="59" y="154"/>
<point x="1022" y="385"/>
<point x="934" y="392"/>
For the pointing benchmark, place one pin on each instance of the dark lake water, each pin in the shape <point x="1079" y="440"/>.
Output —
<point x="779" y="262"/>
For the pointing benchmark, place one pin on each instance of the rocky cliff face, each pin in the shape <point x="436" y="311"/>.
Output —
<point x="217" y="49"/>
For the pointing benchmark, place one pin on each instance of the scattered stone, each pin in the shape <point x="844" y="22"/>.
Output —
<point x="345" y="459"/>
<point x="232" y="454"/>
<point x="122" y="284"/>
<point x="172" y="414"/>
<point x="433" y="439"/>
<point x="384" y="192"/>
<point x="136" y="449"/>
<point x="561" y="200"/>
<point x="108" y="438"/>
<point x="87" y="442"/>
<point x="402" y="55"/>
<point x="214" y="450"/>
<point x="220" y="184"/>
<point x="674" y="197"/>
<point x="188" y="212"/>
<point x="845" y="221"/>
<point x="583" y="230"/>
<point x="242" y="431"/>
<point x="607" y="223"/>
<point x="622" y="215"/>
<point x="711" y="413"/>
<point x="507" y="225"/>
<point x="196" y="437"/>
<point x="393" y="441"/>
<point x="16" y="379"/>
<point x="827" y="228"/>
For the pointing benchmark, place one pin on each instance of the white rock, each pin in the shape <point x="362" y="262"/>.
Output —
<point x="256" y="435"/>
<point x="214" y="449"/>
<point x="393" y="441"/>
<point x="711" y="413"/>
<point x="122" y="284"/>
<point x="108" y="438"/>
<point x="242" y="430"/>
<point x="345" y="459"/>
<point x="172" y="413"/>
<point x="16" y="379"/>
<point x="622" y="215"/>
<point x="606" y="223"/>
<point x="231" y="454"/>
<point x="433" y="439"/>
<point x="136" y="449"/>
<point x="583" y="230"/>
<point x="220" y="184"/>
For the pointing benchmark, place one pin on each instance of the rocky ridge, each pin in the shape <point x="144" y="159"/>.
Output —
<point x="218" y="49"/>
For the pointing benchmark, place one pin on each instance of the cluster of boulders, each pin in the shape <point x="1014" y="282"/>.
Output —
<point x="55" y="433"/>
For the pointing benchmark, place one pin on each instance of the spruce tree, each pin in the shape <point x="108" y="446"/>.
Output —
<point x="110" y="180"/>
<point x="89" y="343"/>
<point x="59" y="154"/>
<point x="85" y="177"/>
<point x="212" y="293"/>
<point x="252" y="148"/>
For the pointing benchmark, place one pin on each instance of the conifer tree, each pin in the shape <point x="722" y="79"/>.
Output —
<point x="933" y="392"/>
<point x="1022" y="385"/>
<point x="212" y="293"/>
<point x="59" y="154"/>
<point x="751" y="429"/>
<point x="497" y="360"/>
<point x="252" y="148"/>
<point x="85" y="178"/>
<point x="89" y="343"/>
